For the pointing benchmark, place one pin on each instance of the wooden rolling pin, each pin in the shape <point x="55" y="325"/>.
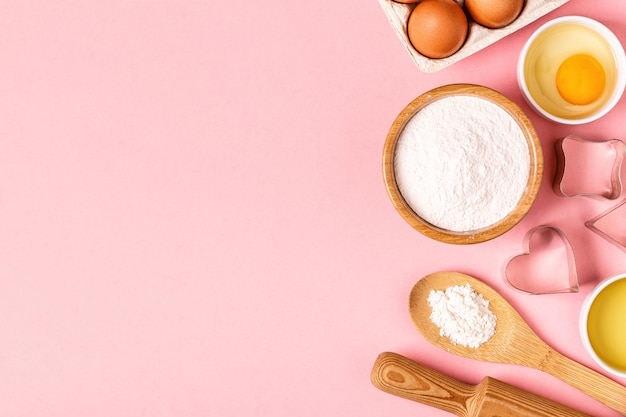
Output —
<point x="405" y="378"/>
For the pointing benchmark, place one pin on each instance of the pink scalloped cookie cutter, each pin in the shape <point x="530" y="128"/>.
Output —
<point x="589" y="168"/>
<point x="547" y="266"/>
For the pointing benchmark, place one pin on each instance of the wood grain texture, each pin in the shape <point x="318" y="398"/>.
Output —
<point x="404" y="378"/>
<point x="514" y="342"/>
<point x="532" y="185"/>
<point x="400" y="376"/>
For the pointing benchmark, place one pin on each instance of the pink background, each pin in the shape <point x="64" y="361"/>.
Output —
<point x="193" y="218"/>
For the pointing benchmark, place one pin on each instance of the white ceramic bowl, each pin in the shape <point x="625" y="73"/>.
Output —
<point x="604" y="348"/>
<point x="540" y="55"/>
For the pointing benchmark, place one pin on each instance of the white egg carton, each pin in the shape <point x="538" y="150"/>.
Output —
<point x="479" y="37"/>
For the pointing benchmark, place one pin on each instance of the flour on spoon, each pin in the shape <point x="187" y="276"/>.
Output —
<point x="463" y="315"/>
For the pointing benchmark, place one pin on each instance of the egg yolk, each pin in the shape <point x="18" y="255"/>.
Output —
<point x="580" y="79"/>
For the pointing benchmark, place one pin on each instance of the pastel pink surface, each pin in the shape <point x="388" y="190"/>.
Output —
<point x="194" y="221"/>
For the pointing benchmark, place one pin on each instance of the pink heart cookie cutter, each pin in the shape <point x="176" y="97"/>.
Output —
<point x="547" y="265"/>
<point x="589" y="168"/>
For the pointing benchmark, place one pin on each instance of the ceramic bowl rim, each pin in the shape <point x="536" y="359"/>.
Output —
<point x="584" y="316"/>
<point x="618" y="53"/>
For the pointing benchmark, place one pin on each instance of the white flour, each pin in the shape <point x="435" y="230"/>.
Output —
<point x="462" y="315"/>
<point x="462" y="163"/>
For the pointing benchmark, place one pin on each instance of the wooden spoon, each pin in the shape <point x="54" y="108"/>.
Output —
<point x="514" y="342"/>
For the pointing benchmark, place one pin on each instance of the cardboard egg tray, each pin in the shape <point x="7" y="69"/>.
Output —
<point x="478" y="37"/>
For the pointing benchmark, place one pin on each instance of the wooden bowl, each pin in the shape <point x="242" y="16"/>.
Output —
<point x="491" y="231"/>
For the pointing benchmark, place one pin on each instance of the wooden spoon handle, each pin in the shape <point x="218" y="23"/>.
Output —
<point x="400" y="376"/>
<point x="587" y="380"/>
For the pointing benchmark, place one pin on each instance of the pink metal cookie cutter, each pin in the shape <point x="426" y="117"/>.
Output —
<point x="547" y="265"/>
<point x="589" y="168"/>
<point x="611" y="225"/>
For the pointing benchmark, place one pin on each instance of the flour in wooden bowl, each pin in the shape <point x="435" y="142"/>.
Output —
<point x="462" y="163"/>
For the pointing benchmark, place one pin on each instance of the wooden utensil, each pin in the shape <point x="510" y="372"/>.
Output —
<point x="514" y="342"/>
<point x="400" y="376"/>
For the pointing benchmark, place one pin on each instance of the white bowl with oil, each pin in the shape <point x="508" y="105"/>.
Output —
<point x="572" y="70"/>
<point x="603" y="324"/>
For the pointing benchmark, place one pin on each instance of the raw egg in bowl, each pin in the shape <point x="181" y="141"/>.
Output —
<point x="572" y="70"/>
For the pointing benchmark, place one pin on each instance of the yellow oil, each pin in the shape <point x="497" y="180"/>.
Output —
<point x="606" y="325"/>
<point x="550" y="50"/>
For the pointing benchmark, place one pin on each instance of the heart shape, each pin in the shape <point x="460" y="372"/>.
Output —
<point x="547" y="266"/>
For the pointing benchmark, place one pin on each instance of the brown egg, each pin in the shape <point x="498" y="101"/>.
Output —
<point x="494" y="13"/>
<point x="437" y="28"/>
<point x="406" y="1"/>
